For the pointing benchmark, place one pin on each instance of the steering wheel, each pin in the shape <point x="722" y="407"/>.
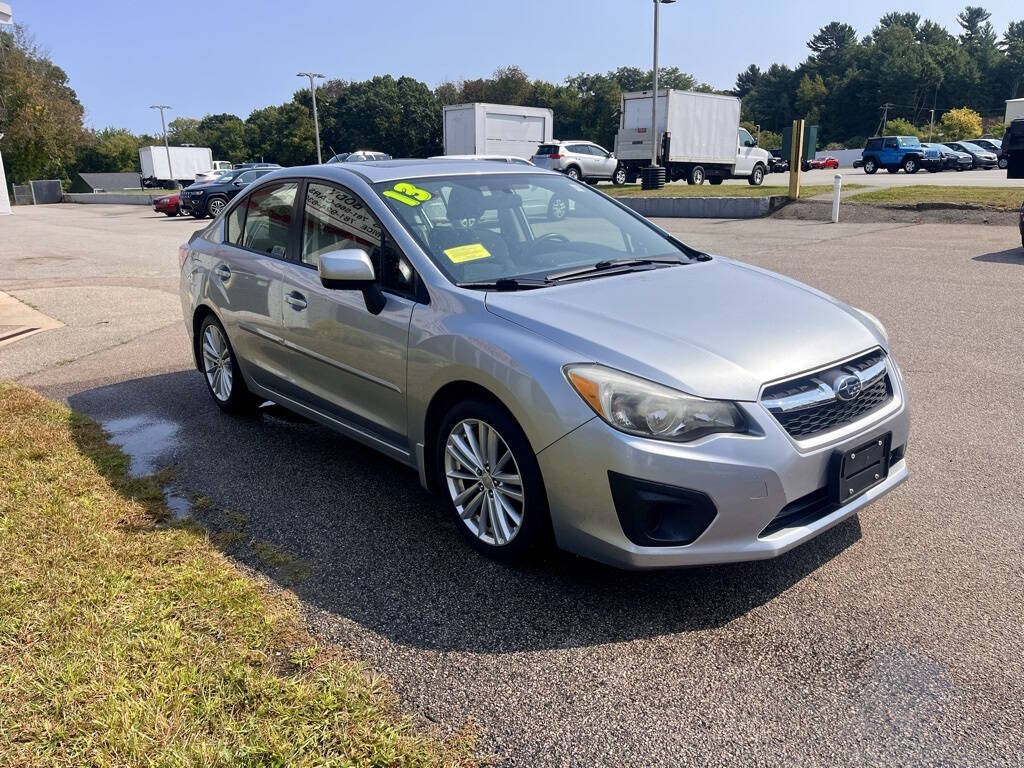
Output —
<point x="551" y="237"/>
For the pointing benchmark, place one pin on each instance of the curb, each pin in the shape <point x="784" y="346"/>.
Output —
<point x="110" y="198"/>
<point x="705" y="207"/>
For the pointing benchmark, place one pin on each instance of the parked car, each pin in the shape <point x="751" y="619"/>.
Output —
<point x="859" y="162"/>
<point x="995" y="146"/>
<point x="582" y="160"/>
<point x="489" y="158"/>
<point x="951" y="158"/>
<point x="166" y="204"/>
<point x="358" y="157"/>
<point x="777" y="163"/>
<point x="246" y="166"/>
<point x="211" y="175"/>
<point x="981" y="158"/>
<point x="898" y="152"/>
<point x="209" y="199"/>
<point x="823" y="162"/>
<point x="547" y="378"/>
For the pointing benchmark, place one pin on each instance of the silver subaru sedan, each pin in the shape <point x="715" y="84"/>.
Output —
<point x="581" y="377"/>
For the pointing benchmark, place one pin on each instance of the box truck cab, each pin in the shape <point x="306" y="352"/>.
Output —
<point x="698" y="137"/>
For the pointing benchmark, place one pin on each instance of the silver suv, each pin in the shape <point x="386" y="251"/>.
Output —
<point x="581" y="160"/>
<point x="587" y="378"/>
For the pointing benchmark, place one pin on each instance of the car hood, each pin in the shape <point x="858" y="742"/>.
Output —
<point x="716" y="329"/>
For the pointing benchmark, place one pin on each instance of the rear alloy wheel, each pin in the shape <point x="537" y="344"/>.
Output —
<point x="490" y="479"/>
<point x="220" y="368"/>
<point x="1003" y="162"/>
<point x="573" y="173"/>
<point x="870" y="166"/>
<point x="697" y="175"/>
<point x="910" y="165"/>
<point x="619" y="177"/>
<point x="558" y="208"/>
<point x="215" y="206"/>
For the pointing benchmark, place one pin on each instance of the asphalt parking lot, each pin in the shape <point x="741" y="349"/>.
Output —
<point x="897" y="638"/>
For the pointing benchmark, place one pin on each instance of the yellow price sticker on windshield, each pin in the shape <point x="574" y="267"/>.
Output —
<point x="464" y="253"/>
<point x="407" y="193"/>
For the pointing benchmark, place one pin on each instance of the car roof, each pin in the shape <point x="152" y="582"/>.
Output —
<point x="374" y="171"/>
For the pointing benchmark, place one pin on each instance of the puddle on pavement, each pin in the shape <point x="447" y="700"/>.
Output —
<point x="144" y="438"/>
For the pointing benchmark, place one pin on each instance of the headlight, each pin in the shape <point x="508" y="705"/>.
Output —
<point x="641" y="407"/>
<point x="874" y="321"/>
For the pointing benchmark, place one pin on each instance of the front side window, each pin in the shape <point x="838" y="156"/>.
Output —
<point x="494" y="226"/>
<point x="891" y="144"/>
<point x="336" y="218"/>
<point x="746" y="140"/>
<point x="268" y="218"/>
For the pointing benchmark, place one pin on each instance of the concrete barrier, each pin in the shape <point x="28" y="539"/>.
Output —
<point x="704" y="207"/>
<point x="110" y="198"/>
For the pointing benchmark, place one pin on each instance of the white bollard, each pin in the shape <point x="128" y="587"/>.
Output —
<point x="835" y="198"/>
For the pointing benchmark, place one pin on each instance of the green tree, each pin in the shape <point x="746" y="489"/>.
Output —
<point x="747" y="80"/>
<point x="810" y="97"/>
<point x="1012" y="46"/>
<point x="184" y="130"/>
<point x="283" y="134"/>
<point x="40" y="114"/>
<point x="961" y="123"/>
<point x="225" y="135"/>
<point x="112" y="150"/>
<point x="901" y="127"/>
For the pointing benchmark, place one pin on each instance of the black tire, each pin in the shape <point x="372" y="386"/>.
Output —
<point x="1003" y="162"/>
<point x="933" y="169"/>
<point x="715" y="180"/>
<point x="170" y="214"/>
<point x="892" y="168"/>
<point x="238" y="400"/>
<point x="756" y="178"/>
<point x="533" y="534"/>
<point x="696" y="175"/>
<point x="910" y="165"/>
<point x="215" y="205"/>
<point x="573" y="173"/>
<point x="620" y="176"/>
<point x="870" y="166"/>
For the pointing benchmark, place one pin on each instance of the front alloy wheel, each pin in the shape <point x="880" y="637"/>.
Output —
<point x="215" y="206"/>
<point x="487" y="472"/>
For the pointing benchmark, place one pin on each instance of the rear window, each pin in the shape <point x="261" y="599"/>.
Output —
<point x="548" y="149"/>
<point x="874" y="144"/>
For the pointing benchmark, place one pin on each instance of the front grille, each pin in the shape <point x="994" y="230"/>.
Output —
<point x="809" y="405"/>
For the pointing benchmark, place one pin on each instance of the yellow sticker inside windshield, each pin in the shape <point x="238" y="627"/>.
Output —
<point x="407" y="193"/>
<point x="463" y="253"/>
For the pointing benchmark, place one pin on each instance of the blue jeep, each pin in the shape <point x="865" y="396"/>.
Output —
<point x="896" y="152"/>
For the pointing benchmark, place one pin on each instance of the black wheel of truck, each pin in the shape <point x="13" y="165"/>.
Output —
<point x="870" y="166"/>
<point x="892" y="168"/>
<point x="715" y="180"/>
<point x="756" y="176"/>
<point x="910" y="165"/>
<point x="697" y="175"/>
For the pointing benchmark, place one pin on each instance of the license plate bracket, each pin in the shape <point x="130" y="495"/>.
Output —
<point x="856" y="470"/>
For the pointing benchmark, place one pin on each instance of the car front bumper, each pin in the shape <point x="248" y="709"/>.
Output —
<point x="189" y="205"/>
<point x="749" y="478"/>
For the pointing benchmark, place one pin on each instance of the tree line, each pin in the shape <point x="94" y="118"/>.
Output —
<point x="852" y="87"/>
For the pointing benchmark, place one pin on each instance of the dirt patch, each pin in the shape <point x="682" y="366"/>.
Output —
<point x="917" y="213"/>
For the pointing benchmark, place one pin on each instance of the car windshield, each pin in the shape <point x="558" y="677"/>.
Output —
<point x="489" y="227"/>
<point x="972" y="147"/>
<point x="910" y="141"/>
<point x="229" y="176"/>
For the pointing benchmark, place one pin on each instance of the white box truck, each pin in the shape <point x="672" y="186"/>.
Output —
<point x="698" y="137"/>
<point x="1014" y="109"/>
<point x="496" y="129"/>
<point x="185" y="163"/>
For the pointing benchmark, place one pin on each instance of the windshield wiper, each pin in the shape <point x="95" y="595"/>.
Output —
<point x="506" y="284"/>
<point x="611" y="266"/>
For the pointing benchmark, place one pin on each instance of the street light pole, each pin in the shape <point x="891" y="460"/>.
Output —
<point x="654" y="99"/>
<point x="316" y="119"/>
<point x="163" y="125"/>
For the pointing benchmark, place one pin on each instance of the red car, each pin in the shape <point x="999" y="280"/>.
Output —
<point x="823" y="162"/>
<point x="166" y="204"/>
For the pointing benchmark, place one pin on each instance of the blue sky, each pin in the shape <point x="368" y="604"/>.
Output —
<point x="234" y="56"/>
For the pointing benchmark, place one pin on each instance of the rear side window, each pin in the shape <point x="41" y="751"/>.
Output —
<point x="548" y="149"/>
<point x="268" y="218"/>
<point x="874" y="144"/>
<point x="235" y="223"/>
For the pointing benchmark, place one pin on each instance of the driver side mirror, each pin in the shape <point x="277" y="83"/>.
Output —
<point x="241" y="183"/>
<point x="350" y="269"/>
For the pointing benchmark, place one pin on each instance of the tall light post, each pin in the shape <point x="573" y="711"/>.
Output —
<point x="163" y="125"/>
<point x="654" y="178"/>
<point x="316" y="120"/>
<point x="5" y="200"/>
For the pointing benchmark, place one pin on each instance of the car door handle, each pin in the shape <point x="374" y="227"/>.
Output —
<point x="223" y="271"/>
<point x="296" y="300"/>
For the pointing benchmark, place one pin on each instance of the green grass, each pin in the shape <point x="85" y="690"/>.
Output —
<point x="128" y="640"/>
<point x="993" y="197"/>
<point x="721" y="190"/>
